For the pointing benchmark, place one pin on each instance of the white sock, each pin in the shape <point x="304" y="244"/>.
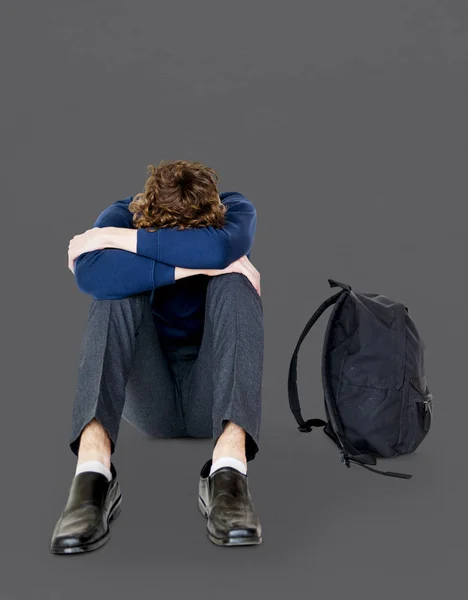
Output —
<point x="228" y="461"/>
<point x="94" y="465"/>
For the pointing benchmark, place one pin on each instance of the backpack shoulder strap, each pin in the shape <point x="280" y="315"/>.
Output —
<point x="292" y="377"/>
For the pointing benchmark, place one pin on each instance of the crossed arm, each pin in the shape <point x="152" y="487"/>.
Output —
<point x="123" y="261"/>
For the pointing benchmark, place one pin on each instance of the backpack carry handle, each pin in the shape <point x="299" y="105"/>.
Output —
<point x="335" y="283"/>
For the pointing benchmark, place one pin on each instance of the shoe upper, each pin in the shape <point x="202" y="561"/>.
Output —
<point x="229" y="504"/>
<point x="85" y="516"/>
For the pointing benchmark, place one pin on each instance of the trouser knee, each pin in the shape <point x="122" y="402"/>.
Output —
<point x="133" y="307"/>
<point x="232" y="285"/>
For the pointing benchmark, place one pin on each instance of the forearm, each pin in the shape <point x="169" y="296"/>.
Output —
<point x="126" y="239"/>
<point x="122" y="238"/>
<point x="110" y="274"/>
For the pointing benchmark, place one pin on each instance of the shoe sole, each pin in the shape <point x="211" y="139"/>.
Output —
<point x="114" y="513"/>
<point x="238" y="540"/>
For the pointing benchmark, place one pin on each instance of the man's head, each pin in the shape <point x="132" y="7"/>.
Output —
<point x="179" y="193"/>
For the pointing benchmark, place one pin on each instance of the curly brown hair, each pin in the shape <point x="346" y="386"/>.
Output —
<point x="181" y="194"/>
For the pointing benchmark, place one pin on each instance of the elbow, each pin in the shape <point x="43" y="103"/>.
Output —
<point x="82" y="277"/>
<point x="223" y="258"/>
<point x="87" y="284"/>
<point x="233" y="249"/>
<point x="233" y="253"/>
<point x="89" y="280"/>
<point x="216" y="257"/>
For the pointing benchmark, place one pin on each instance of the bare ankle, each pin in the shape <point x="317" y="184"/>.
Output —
<point x="95" y="444"/>
<point x="231" y="443"/>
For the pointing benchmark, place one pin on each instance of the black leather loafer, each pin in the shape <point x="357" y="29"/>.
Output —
<point x="225" y="500"/>
<point x="93" y="502"/>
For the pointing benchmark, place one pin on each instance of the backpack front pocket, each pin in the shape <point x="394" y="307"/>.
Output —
<point x="370" y="418"/>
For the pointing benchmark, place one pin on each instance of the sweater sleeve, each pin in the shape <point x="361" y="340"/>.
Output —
<point x="112" y="273"/>
<point x="204" y="247"/>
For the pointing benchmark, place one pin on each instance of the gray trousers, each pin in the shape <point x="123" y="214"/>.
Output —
<point x="173" y="390"/>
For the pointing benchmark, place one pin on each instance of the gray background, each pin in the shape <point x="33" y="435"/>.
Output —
<point x="344" y="122"/>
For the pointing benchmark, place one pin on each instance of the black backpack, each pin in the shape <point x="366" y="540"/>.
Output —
<point x="377" y="400"/>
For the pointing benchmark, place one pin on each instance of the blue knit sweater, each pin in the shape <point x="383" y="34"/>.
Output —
<point x="178" y="306"/>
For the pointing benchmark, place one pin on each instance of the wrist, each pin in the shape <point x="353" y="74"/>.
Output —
<point x="120" y="238"/>
<point x="181" y="272"/>
<point x="108" y="237"/>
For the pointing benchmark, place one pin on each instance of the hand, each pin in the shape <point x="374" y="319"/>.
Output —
<point x="244" y="266"/>
<point x="91" y="239"/>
